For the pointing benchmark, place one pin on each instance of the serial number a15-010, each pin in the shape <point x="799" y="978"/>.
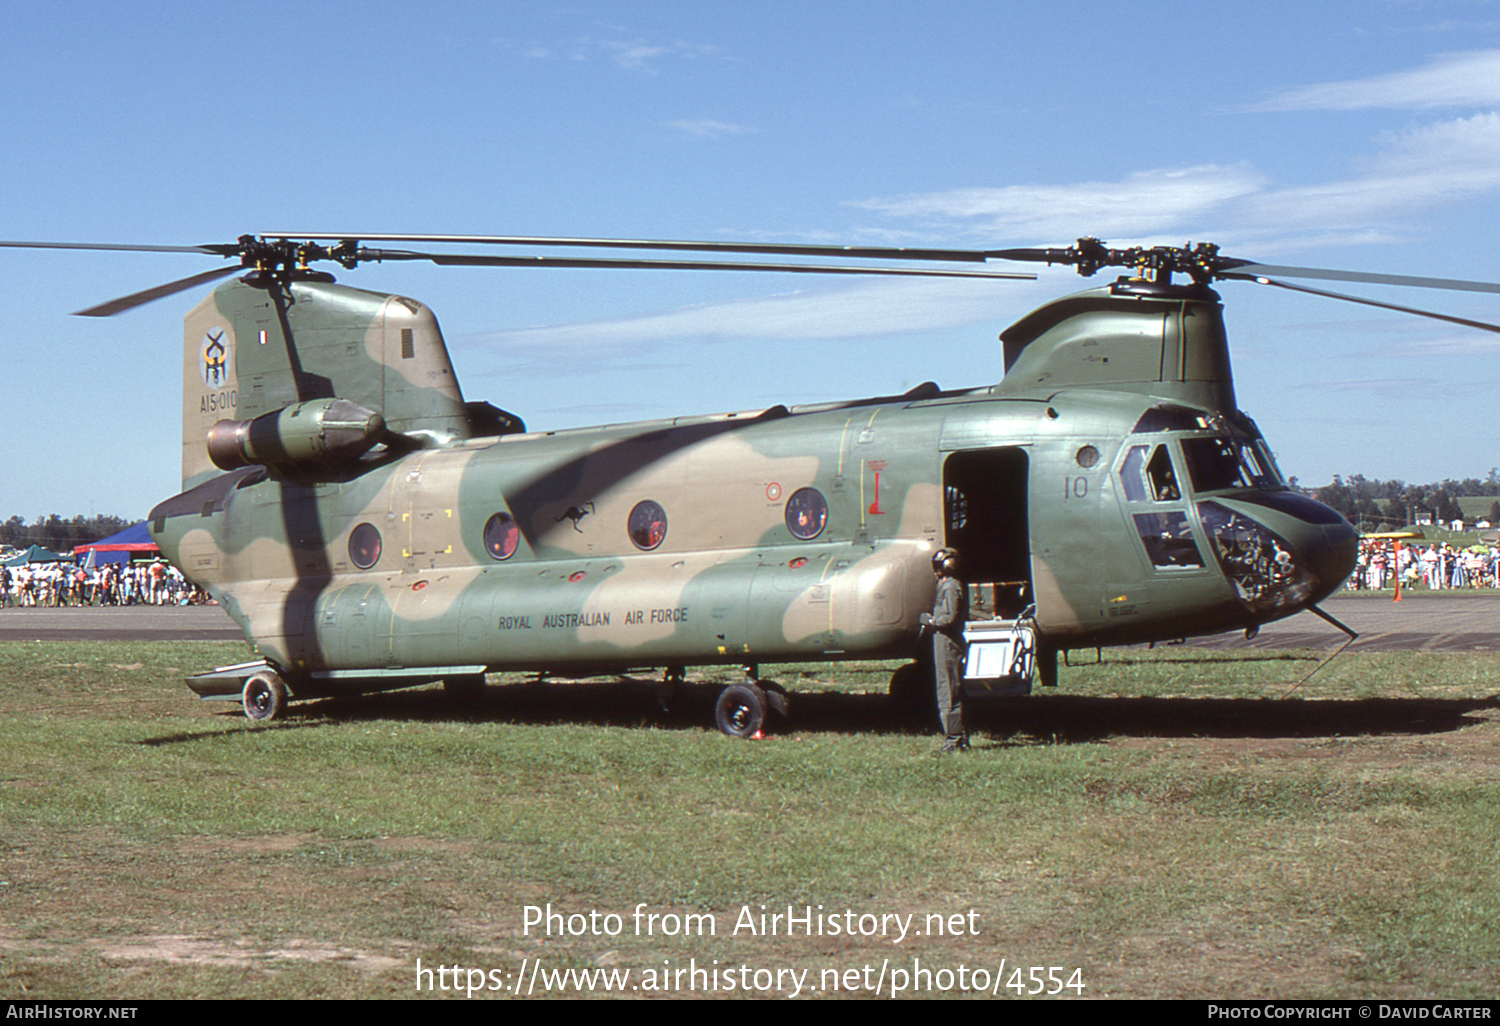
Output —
<point x="219" y="402"/>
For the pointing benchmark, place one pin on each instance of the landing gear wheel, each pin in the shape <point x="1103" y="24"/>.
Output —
<point x="265" y="696"/>
<point x="741" y="710"/>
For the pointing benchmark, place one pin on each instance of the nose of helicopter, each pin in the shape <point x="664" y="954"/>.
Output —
<point x="1281" y="551"/>
<point x="1331" y="551"/>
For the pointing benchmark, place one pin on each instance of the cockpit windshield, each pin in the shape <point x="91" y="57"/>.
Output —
<point x="1229" y="461"/>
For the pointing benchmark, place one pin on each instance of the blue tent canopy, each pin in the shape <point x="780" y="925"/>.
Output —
<point x="120" y="548"/>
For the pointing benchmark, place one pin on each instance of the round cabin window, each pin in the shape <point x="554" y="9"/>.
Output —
<point x="364" y="546"/>
<point x="648" y="525"/>
<point x="806" y="513"/>
<point x="501" y="536"/>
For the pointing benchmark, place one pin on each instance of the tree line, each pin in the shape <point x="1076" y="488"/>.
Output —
<point x="59" y="535"/>
<point x="1395" y="503"/>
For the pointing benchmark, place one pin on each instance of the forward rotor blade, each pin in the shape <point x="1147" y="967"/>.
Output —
<point x="136" y="299"/>
<point x="770" y="248"/>
<point x="1482" y="325"/>
<point x="227" y="249"/>
<point x="477" y="260"/>
<point x="1246" y="270"/>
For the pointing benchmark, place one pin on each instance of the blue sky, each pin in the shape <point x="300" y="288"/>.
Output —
<point x="1361" y="136"/>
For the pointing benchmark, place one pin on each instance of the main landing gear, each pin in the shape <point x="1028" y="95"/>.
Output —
<point x="265" y="696"/>
<point x="746" y="709"/>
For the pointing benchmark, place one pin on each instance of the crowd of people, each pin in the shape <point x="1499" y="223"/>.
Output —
<point x="1433" y="566"/>
<point x="154" y="583"/>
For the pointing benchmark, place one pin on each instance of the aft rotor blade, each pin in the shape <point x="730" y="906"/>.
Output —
<point x="1246" y="270"/>
<point x="1053" y="255"/>
<point x="1482" y="325"/>
<point x="770" y="248"/>
<point x="479" y="260"/>
<point x="136" y="299"/>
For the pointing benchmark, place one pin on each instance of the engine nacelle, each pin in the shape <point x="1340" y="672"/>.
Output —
<point x="321" y="431"/>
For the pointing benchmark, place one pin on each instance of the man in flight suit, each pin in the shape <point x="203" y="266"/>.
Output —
<point x="950" y="611"/>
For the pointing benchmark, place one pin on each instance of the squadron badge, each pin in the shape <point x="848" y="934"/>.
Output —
<point x="215" y="363"/>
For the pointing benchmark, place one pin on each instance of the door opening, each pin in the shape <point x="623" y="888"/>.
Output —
<point x="985" y="506"/>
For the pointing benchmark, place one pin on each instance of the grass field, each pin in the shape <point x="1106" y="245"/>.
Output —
<point x="1172" y="823"/>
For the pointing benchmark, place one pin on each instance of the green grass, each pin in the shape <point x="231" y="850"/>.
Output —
<point x="1174" y="823"/>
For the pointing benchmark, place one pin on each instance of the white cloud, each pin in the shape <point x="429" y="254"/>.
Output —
<point x="1418" y="170"/>
<point x="635" y="56"/>
<point x="1379" y="386"/>
<point x="707" y="128"/>
<point x="1413" y="172"/>
<point x="1146" y="202"/>
<point x="629" y="53"/>
<point x="1470" y="79"/>
<point x="867" y="310"/>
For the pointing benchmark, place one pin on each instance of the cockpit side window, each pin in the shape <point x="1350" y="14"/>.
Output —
<point x="1163" y="481"/>
<point x="1225" y="462"/>
<point x="1149" y="480"/>
<point x="1251" y="463"/>
<point x="1130" y="474"/>
<point x="1268" y="461"/>
<point x="1168" y="540"/>
<point x="1213" y="463"/>
<point x="1147" y="476"/>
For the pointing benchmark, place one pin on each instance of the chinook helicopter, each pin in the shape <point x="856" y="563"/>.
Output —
<point x="369" y="528"/>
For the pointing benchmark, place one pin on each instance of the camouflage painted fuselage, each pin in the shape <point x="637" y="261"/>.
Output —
<point x="443" y="538"/>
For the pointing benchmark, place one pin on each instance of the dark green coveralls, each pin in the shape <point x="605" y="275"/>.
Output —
<point x="949" y="613"/>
